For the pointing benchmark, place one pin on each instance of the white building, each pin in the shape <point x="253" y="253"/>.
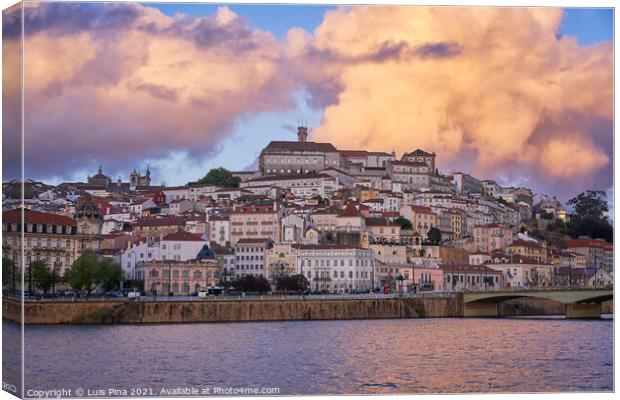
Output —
<point x="219" y="229"/>
<point x="179" y="246"/>
<point x="335" y="267"/>
<point x="250" y="257"/>
<point x="466" y="183"/>
<point x="178" y="206"/>
<point x="139" y="206"/>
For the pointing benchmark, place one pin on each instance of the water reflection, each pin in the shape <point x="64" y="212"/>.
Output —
<point x="329" y="357"/>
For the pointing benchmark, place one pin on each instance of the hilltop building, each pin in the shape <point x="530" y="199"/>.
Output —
<point x="300" y="157"/>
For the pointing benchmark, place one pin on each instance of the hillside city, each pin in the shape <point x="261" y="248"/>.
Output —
<point x="311" y="218"/>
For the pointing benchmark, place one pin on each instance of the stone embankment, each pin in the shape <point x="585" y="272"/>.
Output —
<point x="137" y="312"/>
<point x="144" y="311"/>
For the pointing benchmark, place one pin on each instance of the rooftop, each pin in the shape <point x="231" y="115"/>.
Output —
<point x="300" y="146"/>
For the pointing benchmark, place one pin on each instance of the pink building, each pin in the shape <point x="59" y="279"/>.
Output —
<point x="491" y="237"/>
<point x="180" y="277"/>
<point x="427" y="279"/>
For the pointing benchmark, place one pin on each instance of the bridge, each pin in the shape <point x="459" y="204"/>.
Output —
<point x="583" y="303"/>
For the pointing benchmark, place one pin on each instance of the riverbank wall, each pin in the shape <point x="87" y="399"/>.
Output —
<point x="526" y="307"/>
<point x="145" y="312"/>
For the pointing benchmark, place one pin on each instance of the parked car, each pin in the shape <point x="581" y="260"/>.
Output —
<point x="134" y="294"/>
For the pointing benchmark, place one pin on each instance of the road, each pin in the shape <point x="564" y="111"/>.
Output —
<point x="251" y="297"/>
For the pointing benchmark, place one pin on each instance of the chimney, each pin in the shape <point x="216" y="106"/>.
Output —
<point x="302" y="134"/>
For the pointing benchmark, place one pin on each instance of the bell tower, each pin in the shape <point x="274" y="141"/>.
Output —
<point x="302" y="134"/>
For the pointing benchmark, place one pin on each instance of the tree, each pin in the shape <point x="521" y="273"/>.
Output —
<point x="110" y="275"/>
<point x="434" y="236"/>
<point x="91" y="270"/>
<point x="404" y="223"/>
<point x="219" y="177"/>
<point x="298" y="283"/>
<point x="251" y="283"/>
<point x="546" y="215"/>
<point x="8" y="267"/>
<point x="588" y="216"/>
<point x="42" y="275"/>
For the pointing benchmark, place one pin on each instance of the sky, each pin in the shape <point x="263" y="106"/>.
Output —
<point x="523" y="96"/>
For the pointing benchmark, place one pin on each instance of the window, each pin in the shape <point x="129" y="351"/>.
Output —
<point x="153" y="273"/>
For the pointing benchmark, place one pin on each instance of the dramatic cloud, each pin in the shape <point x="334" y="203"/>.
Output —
<point x="492" y="91"/>
<point x="118" y="83"/>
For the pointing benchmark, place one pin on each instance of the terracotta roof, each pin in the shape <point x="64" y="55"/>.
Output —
<point x="353" y="153"/>
<point x="252" y="240"/>
<point x="525" y="243"/>
<point x="300" y="146"/>
<point x="421" y="210"/>
<point x="379" y="222"/>
<point x="350" y="211"/>
<point x="467" y="268"/>
<point x="160" y="221"/>
<point x="182" y="236"/>
<point x="36" y="217"/>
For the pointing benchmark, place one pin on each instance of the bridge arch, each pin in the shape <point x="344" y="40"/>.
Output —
<point x="576" y="302"/>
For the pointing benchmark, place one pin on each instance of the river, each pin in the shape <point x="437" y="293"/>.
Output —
<point x="320" y="357"/>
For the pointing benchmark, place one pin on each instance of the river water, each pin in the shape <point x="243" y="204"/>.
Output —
<point x="320" y="357"/>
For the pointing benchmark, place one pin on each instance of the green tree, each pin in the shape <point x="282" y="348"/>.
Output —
<point x="546" y="215"/>
<point x="7" y="270"/>
<point x="434" y="236"/>
<point x="251" y="284"/>
<point x="110" y="275"/>
<point x="91" y="270"/>
<point x="404" y="223"/>
<point x="219" y="177"/>
<point x="298" y="283"/>
<point x="588" y="216"/>
<point x="42" y="275"/>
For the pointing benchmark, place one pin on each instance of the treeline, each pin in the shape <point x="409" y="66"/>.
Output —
<point x="588" y="217"/>
<point x="89" y="272"/>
